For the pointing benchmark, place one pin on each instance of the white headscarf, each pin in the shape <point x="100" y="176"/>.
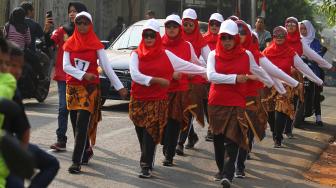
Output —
<point x="310" y="32"/>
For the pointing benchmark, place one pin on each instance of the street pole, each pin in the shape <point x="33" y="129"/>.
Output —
<point x="253" y="11"/>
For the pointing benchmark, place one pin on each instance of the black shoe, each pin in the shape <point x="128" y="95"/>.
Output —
<point x="226" y="183"/>
<point x="87" y="156"/>
<point x="240" y="174"/>
<point x="58" y="146"/>
<point x="167" y="162"/>
<point x="209" y="137"/>
<point x="219" y="176"/>
<point x="179" y="150"/>
<point x="74" y="169"/>
<point x="192" y="141"/>
<point x="145" y="173"/>
<point x="277" y="144"/>
<point x="319" y="123"/>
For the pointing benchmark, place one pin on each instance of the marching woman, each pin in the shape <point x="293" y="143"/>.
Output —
<point x="211" y="37"/>
<point x="81" y="52"/>
<point x="294" y="41"/>
<point x="179" y="105"/>
<point x="255" y="112"/>
<point x="198" y="85"/>
<point x="228" y="70"/>
<point x="307" y="32"/>
<point x="152" y="69"/>
<point x="283" y="56"/>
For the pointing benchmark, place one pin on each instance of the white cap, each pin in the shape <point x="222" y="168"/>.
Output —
<point x="217" y="17"/>
<point x="85" y="14"/>
<point x="228" y="26"/>
<point x="175" y="18"/>
<point x="189" y="13"/>
<point x="152" y="24"/>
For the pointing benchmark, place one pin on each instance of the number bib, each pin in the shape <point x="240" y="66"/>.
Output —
<point x="82" y="64"/>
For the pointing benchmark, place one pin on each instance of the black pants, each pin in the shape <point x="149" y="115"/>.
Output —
<point x="221" y="144"/>
<point x="271" y="122"/>
<point x="147" y="147"/>
<point x="280" y="121"/>
<point x="80" y="124"/>
<point x="188" y="133"/>
<point x="317" y="100"/>
<point x="242" y="153"/>
<point x="170" y="138"/>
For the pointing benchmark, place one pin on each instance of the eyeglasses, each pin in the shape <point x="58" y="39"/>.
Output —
<point x="188" y="24"/>
<point x="171" y="26"/>
<point x="279" y="36"/>
<point x="82" y="23"/>
<point x="227" y="37"/>
<point x="215" y="23"/>
<point x="291" y="24"/>
<point x="149" y="34"/>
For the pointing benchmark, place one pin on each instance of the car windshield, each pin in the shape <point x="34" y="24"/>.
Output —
<point x="131" y="38"/>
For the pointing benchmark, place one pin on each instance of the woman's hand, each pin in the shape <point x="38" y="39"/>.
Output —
<point x="161" y="81"/>
<point x="89" y="76"/>
<point x="123" y="93"/>
<point x="252" y="77"/>
<point x="241" y="78"/>
<point x="177" y="76"/>
<point x="49" y="22"/>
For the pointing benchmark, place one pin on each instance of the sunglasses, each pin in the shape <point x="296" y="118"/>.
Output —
<point x="279" y="36"/>
<point x="82" y="23"/>
<point x="227" y="37"/>
<point x="149" y="34"/>
<point x="188" y="24"/>
<point x="241" y="30"/>
<point x="171" y="25"/>
<point x="215" y="23"/>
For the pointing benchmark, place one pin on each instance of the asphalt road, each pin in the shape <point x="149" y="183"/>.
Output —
<point x="116" y="159"/>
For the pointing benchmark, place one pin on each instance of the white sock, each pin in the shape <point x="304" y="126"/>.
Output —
<point x="318" y="118"/>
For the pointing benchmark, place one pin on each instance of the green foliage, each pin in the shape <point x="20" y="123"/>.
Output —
<point x="278" y="10"/>
<point x="328" y="8"/>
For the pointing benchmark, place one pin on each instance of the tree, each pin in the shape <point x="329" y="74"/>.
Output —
<point x="278" y="10"/>
<point x="328" y="8"/>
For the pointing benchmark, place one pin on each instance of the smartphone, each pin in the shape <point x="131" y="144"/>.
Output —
<point x="49" y="14"/>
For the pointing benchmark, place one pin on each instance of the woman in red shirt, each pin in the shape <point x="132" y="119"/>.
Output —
<point x="198" y="85"/>
<point x="180" y="107"/>
<point x="228" y="71"/>
<point x="57" y="39"/>
<point x="283" y="56"/>
<point x="152" y="68"/>
<point x="81" y="52"/>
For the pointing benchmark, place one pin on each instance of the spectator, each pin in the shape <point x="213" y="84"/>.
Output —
<point x="264" y="36"/>
<point x="116" y="30"/>
<point x="36" y="30"/>
<point x="149" y="14"/>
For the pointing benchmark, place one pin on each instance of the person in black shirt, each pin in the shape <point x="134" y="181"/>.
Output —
<point x="116" y="30"/>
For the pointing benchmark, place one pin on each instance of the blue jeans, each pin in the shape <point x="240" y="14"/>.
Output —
<point x="62" y="113"/>
<point x="47" y="165"/>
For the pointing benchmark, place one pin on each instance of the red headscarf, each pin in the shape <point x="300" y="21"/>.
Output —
<point x="228" y="55"/>
<point x="249" y="44"/>
<point x="211" y="38"/>
<point x="169" y="42"/>
<point x="82" y="42"/>
<point x="281" y="51"/>
<point x="147" y="53"/>
<point x="195" y="38"/>
<point x="294" y="39"/>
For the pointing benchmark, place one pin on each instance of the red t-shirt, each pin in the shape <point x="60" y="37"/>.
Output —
<point x="230" y="94"/>
<point x="158" y="67"/>
<point x="59" y="36"/>
<point x="85" y="61"/>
